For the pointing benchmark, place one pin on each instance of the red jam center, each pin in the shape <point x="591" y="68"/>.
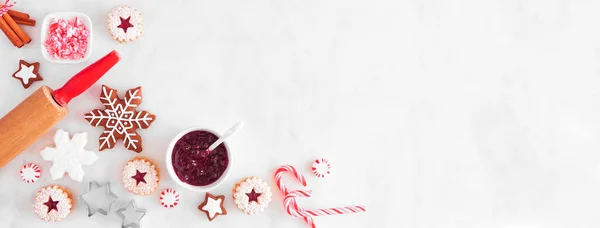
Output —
<point x="125" y="24"/>
<point x="51" y="204"/>
<point x="253" y="196"/>
<point x="193" y="164"/>
<point x="139" y="177"/>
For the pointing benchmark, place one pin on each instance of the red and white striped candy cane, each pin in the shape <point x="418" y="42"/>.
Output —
<point x="288" y="169"/>
<point x="336" y="210"/>
<point x="291" y="204"/>
<point x="292" y="207"/>
<point x="5" y="7"/>
<point x="290" y="199"/>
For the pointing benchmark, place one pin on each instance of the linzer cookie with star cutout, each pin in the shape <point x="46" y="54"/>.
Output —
<point x="140" y="176"/>
<point x="53" y="203"/>
<point x="125" y="24"/>
<point x="252" y="195"/>
<point x="120" y="119"/>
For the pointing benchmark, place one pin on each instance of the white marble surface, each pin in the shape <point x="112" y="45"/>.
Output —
<point x="472" y="113"/>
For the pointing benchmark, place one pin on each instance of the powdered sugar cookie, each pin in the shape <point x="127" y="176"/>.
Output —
<point x="53" y="203"/>
<point x="252" y="195"/>
<point x="321" y="167"/>
<point x="169" y="198"/>
<point x="140" y="176"/>
<point x="125" y="24"/>
<point x="69" y="155"/>
<point x="30" y="173"/>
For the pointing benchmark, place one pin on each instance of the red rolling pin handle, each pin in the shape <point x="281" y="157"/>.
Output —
<point x="85" y="78"/>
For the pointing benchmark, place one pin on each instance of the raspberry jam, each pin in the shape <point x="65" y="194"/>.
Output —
<point x="193" y="164"/>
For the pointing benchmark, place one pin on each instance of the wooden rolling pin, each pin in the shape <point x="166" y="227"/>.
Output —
<point x="38" y="113"/>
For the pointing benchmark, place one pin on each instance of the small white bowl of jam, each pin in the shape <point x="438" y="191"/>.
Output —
<point x="191" y="166"/>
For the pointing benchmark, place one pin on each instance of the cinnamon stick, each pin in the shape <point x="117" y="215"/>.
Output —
<point x="10" y="34"/>
<point x="16" y="14"/>
<point x="25" y="21"/>
<point x="13" y="25"/>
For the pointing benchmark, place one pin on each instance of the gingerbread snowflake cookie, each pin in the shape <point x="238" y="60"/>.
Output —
<point x="120" y="119"/>
<point x="28" y="73"/>
<point x="69" y="155"/>
<point x="252" y="195"/>
<point x="140" y="176"/>
<point x="53" y="203"/>
<point x="125" y="24"/>
<point x="213" y="206"/>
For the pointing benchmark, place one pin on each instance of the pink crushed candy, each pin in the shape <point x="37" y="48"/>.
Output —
<point x="67" y="39"/>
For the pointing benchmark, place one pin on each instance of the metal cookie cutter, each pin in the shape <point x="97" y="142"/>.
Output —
<point x="109" y="198"/>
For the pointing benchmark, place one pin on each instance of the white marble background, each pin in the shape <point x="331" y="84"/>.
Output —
<point x="468" y="113"/>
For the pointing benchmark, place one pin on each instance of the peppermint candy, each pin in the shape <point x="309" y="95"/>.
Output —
<point x="67" y="39"/>
<point x="321" y="168"/>
<point x="30" y="173"/>
<point x="169" y="198"/>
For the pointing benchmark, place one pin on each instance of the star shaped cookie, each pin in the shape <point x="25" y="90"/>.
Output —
<point x="69" y="155"/>
<point x="27" y="73"/>
<point x="213" y="206"/>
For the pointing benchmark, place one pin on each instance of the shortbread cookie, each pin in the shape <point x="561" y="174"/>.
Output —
<point x="53" y="203"/>
<point x="125" y="24"/>
<point x="252" y="195"/>
<point x="140" y="176"/>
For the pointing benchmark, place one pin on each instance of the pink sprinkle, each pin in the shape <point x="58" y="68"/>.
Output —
<point x="67" y="39"/>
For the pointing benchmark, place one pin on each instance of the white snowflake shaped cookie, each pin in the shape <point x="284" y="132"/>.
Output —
<point x="69" y="155"/>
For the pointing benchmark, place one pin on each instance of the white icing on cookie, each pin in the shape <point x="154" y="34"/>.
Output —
<point x="26" y="73"/>
<point x="213" y="207"/>
<point x="69" y="155"/>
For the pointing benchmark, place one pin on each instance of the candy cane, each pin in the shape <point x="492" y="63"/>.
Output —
<point x="291" y="204"/>
<point x="292" y="207"/>
<point x="290" y="169"/>
<point x="4" y="9"/>
<point x="289" y="199"/>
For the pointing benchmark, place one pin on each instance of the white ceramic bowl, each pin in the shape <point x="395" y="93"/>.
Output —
<point x="169" y="164"/>
<point x="68" y="16"/>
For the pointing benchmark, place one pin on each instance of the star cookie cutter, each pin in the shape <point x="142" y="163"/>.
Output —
<point x="125" y="216"/>
<point x="109" y="198"/>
